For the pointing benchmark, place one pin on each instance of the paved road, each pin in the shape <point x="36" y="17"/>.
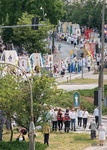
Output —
<point x="77" y="87"/>
<point x="65" y="50"/>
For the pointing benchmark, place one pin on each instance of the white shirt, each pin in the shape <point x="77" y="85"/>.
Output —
<point x="73" y="115"/>
<point x="80" y="113"/>
<point x="96" y="112"/>
<point x="98" y="59"/>
<point x="54" y="116"/>
<point x="85" y="114"/>
<point x="88" y="64"/>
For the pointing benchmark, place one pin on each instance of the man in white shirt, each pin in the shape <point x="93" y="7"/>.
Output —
<point x="73" y="119"/>
<point x="80" y="114"/>
<point x="54" y="120"/>
<point x="85" y="118"/>
<point x="96" y="114"/>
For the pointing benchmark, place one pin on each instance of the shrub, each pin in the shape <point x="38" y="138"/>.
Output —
<point x="16" y="145"/>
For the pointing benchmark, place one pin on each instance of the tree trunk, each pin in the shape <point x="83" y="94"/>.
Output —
<point x="1" y="131"/>
<point x="11" y="136"/>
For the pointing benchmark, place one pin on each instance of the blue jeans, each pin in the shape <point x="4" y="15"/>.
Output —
<point x="73" y="121"/>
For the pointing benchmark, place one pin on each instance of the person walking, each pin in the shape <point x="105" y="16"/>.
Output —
<point x="85" y="118"/>
<point x="93" y="129"/>
<point x="88" y="65"/>
<point x="73" y="119"/>
<point x="60" y="119"/>
<point x="54" y="120"/>
<point x="79" y="114"/>
<point x="46" y="132"/>
<point x="67" y="121"/>
<point x="102" y="136"/>
<point x="96" y="115"/>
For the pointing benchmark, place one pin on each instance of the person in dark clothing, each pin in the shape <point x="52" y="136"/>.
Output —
<point x="67" y="121"/>
<point x="60" y="119"/>
<point x="46" y="132"/>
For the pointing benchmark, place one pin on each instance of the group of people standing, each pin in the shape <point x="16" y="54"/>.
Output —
<point x="67" y="119"/>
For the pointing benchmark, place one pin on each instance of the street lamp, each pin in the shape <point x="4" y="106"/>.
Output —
<point x="31" y="127"/>
<point x="43" y="13"/>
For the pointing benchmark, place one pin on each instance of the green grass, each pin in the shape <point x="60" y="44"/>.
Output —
<point x="83" y="81"/>
<point x="57" y="141"/>
<point x="16" y="145"/>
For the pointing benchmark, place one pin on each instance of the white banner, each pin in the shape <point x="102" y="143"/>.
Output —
<point x="23" y="63"/>
<point x="10" y="56"/>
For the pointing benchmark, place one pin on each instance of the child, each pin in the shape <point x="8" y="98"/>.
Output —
<point x="22" y="132"/>
<point x="46" y="132"/>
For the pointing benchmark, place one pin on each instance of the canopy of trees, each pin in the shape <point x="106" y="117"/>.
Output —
<point x="11" y="11"/>
<point x="86" y="13"/>
<point x="15" y="97"/>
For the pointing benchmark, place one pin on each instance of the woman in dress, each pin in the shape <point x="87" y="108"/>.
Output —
<point x="102" y="131"/>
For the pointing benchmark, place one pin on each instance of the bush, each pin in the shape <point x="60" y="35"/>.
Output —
<point x="16" y="145"/>
<point x="64" y="99"/>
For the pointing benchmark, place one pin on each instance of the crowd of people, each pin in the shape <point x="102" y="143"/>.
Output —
<point x="78" y="42"/>
<point x="74" y="119"/>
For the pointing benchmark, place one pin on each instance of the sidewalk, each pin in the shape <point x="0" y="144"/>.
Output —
<point x="86" y="75"/>
<point x="97" y="147"/>
<point x="67" y="75"/>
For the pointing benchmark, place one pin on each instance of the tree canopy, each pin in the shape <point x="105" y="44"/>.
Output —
<point x="33" y="40"/>
<point x="12" y="10"/>
<point x="86" y="13"/>
<point x="15" y="97"/>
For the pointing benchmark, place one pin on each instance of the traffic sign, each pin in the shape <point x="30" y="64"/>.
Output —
<point x="76" y="98"/>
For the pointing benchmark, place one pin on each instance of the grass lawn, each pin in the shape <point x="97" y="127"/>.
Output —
<point x="68" y="141"/>
<point x="84" y="81"/>
<point x="61" y="140"/>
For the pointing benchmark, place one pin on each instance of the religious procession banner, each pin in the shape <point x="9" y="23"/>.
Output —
<point x="45" y="59"/>
<point x="65" y="27"/>
<point x="92" y="49"/>
<point x="78" y="32"/>
<point x="23" y="63"/>
<point x="50" y="60"/>
<point x="88" y="33"/>
<point x="93" y="35"/>
<point x="9" y="56"/>
<point x="74" y="28"/>
<point x="35" y="60"/>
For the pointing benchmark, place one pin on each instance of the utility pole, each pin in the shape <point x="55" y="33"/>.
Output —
<point x="53" y="42"/>
<point x="82" y="56"/>
<point x="100" y="80"/>
<point x="102" y="50"/>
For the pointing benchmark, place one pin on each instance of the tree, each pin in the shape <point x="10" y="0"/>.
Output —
<point x="9" y="96"/>
<point x="12" y="10"/>
<point x="33" y="40"/>
<point x="15" y="97"/>
<point x="86" y="13"/>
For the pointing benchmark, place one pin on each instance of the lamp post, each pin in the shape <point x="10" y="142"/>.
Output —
<point x="43" y="13"/>
<point x="31" y="127"/>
